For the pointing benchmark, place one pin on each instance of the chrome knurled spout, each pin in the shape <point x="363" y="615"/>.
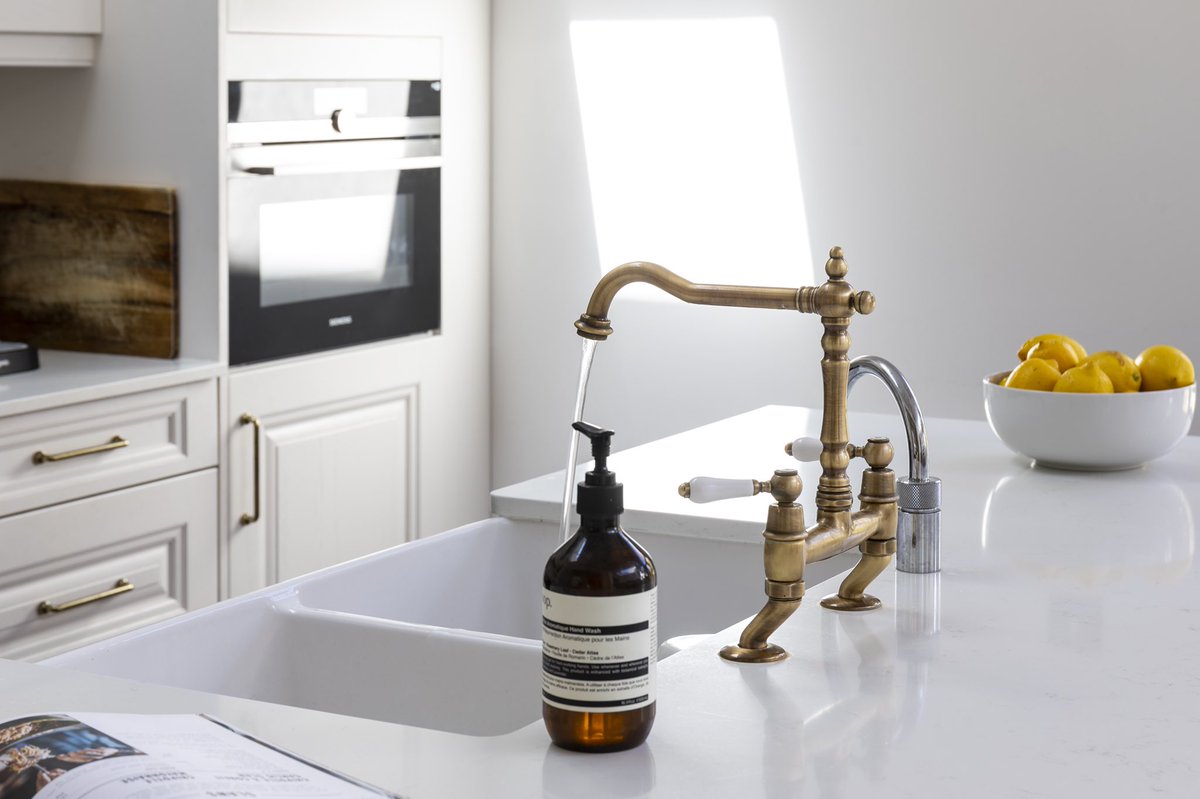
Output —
<point x="918" y="542"/>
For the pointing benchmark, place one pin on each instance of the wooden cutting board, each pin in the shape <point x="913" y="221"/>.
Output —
<point x="89" y="268"/>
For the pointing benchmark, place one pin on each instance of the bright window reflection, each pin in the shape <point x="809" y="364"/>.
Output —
<point x="300" y="261"/>
<point x="690" y="151"/>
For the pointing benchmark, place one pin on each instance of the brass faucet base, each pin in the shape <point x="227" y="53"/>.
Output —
<point x="771" y="653"/>
<point x="864" y="602"/>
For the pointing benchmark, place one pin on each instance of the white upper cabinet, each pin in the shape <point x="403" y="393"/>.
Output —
<point x="49" y="33"/>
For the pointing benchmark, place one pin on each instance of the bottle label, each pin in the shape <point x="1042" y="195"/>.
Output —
<point x="599" y="653"/>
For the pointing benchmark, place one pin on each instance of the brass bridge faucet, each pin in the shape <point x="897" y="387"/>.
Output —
<point x="789" y="544"/>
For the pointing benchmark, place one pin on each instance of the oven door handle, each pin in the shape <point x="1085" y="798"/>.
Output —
<point x="341" y="126"/>
<point x="311" y="158"/>
<point x="428" y="162"/>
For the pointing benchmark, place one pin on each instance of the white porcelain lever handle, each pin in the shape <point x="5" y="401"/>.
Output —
<point x="710" y="489"/>
<point x="806" y="449"/>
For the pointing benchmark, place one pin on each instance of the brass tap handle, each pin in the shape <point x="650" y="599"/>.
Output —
<point x="784" y="486"/>
<point x="805" y="449"/>
<point x="712" y="489"/>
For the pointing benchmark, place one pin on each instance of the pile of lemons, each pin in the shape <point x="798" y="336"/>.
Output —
<point x="1054" y="362"/>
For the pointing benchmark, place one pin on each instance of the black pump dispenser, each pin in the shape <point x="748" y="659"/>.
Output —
<point x="599" y="495"/>
<point x="599" y="622"/>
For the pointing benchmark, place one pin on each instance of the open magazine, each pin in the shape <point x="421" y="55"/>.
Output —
<point x="122" y="756"/>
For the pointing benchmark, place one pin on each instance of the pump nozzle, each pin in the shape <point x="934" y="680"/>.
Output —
<point x="601" y="442"/>
<point x="599" y="494"/>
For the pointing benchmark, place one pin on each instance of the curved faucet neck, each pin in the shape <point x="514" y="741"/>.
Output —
<point x="910" y="411"/>
<point x="594" y="323"/>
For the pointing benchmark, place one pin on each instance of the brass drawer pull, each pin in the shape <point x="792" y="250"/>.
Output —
<point x="249" y="418"/>
<point x="122" y="586"/>
<point x="116" y="443"/>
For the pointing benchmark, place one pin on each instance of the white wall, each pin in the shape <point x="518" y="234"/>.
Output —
<point x="994" y="170"/>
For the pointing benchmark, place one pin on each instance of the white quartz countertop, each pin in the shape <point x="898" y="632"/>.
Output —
<point x="65" y="378"/>
<point x="1056" y="654"/>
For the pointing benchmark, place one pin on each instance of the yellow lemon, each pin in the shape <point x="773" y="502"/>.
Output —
<point x="1035" y="374"/>
<point x="1165" y="367"/>
<point x="1057" y="350"/>
<point x="1086" y="379"/>
<point x="1120" y="368"/>
<point x="1075" y="346"/>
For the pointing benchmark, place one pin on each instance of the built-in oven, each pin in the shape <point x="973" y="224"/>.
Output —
<point x="334" y="214"/>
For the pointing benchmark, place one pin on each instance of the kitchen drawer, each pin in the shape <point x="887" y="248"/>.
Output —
<point x="169" y="431"/>
<point x="160" y="538"/>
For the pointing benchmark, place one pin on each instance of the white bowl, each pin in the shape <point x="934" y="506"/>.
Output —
<point x="1090" y="432"/>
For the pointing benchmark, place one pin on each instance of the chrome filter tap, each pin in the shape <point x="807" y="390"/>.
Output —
<point x="919" y="495"/>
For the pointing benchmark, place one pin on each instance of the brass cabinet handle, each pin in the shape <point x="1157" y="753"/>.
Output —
<point x="116" y="443"/>
<point x="122" y="586"/>
<point x="249" y="418"/>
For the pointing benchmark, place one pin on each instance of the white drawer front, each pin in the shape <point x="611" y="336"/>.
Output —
<point x="160" y="538"/>
<point x="169" y="431"/>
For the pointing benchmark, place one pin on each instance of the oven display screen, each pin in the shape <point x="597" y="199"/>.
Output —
<point x="314" y="249"/>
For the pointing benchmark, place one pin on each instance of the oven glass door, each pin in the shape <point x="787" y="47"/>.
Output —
<point x="322" y="259"/>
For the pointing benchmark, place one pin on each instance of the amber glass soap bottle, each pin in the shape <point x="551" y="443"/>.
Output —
<point x="599" y="622"/>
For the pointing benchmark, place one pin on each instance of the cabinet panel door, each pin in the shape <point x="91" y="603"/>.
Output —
<point x="336" y="481"/>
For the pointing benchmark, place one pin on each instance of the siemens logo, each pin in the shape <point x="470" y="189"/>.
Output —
<point x="338" y="321"/>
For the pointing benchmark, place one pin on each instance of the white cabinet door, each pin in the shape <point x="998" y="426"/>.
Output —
<point x="336" y="473"/>
<point x="340" y="483"/>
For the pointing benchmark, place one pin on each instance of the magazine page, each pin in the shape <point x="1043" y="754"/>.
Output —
<point x="120" y="756"/>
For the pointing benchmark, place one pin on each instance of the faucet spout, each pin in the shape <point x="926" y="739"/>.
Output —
<point x="919" y="495"/>
<point x="594" y="322"/>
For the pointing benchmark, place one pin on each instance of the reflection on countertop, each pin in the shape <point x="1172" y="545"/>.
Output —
<point x="876" y="682"/>
<point x="1090" y="528"/>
